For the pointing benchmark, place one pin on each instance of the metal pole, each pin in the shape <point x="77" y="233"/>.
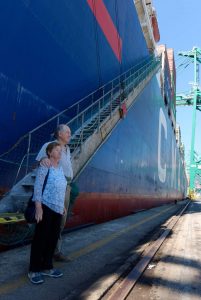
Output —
<point x="92" y="98"/>
<point x="192" y="159"/>
<point x="82" y="128"/>
<point x="78" y="110"/>
<point x="28" y="150"/>
<point x="103" y="101"/>
<point x="99" y="114"/>
<point x="58" y="121"/>
<point x="111" y="100"/>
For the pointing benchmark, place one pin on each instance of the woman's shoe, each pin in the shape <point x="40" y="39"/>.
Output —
<point x="35" y="277"/>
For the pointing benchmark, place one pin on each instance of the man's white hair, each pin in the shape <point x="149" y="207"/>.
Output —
<point x="60" y="127"/>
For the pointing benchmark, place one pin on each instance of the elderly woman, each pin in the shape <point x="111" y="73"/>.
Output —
<point x="49" y="203"/>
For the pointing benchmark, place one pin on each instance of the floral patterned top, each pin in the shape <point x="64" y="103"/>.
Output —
<point x="54" y="192"/>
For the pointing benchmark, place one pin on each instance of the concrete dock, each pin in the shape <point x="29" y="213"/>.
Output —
<point x="175" y="272"/>
<point x="102" y="253"/>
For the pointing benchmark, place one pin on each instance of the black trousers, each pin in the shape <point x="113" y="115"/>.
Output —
<point x="44" y="241"/>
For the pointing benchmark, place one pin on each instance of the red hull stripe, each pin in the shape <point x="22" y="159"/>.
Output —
<point x="104" y="20"/>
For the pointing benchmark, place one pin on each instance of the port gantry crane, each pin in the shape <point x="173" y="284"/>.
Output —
<point x="193" y="98"/>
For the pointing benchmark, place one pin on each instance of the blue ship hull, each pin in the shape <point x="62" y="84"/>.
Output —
<point x="52" y="55"/>
<point x="125" y="175"/>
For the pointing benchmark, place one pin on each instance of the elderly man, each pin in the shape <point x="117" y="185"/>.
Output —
<point x="62" y="135"/>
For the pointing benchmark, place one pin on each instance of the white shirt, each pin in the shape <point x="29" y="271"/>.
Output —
<point x="65" y="161"/>
<point x="55" y="188"/>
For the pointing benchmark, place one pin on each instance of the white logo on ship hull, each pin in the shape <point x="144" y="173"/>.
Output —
<point x="162" y="169"/>
<point x="162" y="123"/>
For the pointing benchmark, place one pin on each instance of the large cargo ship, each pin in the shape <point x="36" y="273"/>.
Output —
<point x="55" y="53"/>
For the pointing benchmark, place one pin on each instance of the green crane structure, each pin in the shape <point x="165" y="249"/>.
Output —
<point x="193" y="98"/>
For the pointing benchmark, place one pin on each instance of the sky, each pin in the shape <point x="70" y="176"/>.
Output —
<point x="180" y="28"/>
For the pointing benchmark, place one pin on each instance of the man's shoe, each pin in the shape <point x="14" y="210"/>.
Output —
<point x="61" y="258"/>
<point x="35" y="277"/>
<point x="52" y="273"/>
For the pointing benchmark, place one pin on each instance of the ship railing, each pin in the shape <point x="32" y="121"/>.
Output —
<point x="109" y="100"/>
<point x="21" y="157"/>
